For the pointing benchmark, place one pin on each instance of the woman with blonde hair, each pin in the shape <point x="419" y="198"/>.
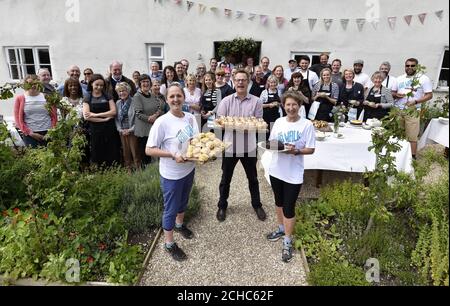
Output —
<point x="278" y="72"/>
<point x="351" y="94"/>
<point x="325" y="96"/>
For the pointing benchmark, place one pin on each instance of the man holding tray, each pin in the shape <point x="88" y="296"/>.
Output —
<point x="240" y="104"/>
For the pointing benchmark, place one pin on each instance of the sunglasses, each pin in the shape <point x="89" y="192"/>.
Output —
<point x="87" y="73"/>
<point x="412" y="66"/>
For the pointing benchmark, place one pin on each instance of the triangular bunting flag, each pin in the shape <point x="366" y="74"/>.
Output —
<point x="375" y="23"/>
<point x="422" y="17"/>
<point x="439" y="14"/>
<point x="239" y="14"/>
<point x="312" y="23"/>
<point x="213" y="9"/>
<point x="251" y="16"/>
<point x="327" y="23"/>
<point x="392" y="21"/>
<point x="201" y="8"/>
<point x="408" y="19"/>
<point x="189" y="5"/>
<point x="227" y="12"/>
<point x="264" y="19"/>
<point x="177" y="1"/>
<point x="280" y="21"/>
<point x="293" y="20"/>
<point x="360" y="23"/>
<point x="344" y="23"/>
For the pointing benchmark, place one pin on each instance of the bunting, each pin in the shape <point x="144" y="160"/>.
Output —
<point x="360" y="23"/>
<point x="263" y="19"/>
<point x="392" y="21"/>
<point x="201" y="8"/>
<point x="422" y="17"/>
<point x="280" y="21"/>
<point x="312" y="23"/>
<point x="344" y="23"/>
<point x="327" y="23"/>
<point x="190" y="4"/>
<point x="408" y="19"/>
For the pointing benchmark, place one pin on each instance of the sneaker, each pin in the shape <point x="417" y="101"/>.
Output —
<point x="184" y="231"/>
<point x="275" y="235"/>
<point x="176" y="252"/>
<point x="286" y="254"/>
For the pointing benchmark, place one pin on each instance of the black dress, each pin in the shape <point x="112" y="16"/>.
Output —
<point x="105" y="141"/>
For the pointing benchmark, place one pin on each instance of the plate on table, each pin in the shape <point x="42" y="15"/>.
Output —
<point x="272" y="146"/>
<point x="443" y="120"/>
<point x="356" y="122"/>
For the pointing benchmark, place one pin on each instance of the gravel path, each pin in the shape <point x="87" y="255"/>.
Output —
<point x="233" y="252"/>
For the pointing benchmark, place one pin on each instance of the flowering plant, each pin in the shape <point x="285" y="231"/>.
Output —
<point x="339" y="112"/>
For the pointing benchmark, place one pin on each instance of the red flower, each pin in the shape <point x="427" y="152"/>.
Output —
<point x="101" y="246"/>
<point x="16" y="210"/>
<point x="5" y="213"/>
<point x="90" y="259"/>
<point x="45" y="216"/>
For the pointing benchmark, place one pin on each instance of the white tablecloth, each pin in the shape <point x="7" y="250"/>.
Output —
<point x="435" y="132"/>
<point x="349" y="154"/>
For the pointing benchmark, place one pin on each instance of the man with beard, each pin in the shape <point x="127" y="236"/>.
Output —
<point x="421" y="94"/>
<point x="317" y="68"/>
<point x="116" y="77"/>
<point x="360" y="76"/>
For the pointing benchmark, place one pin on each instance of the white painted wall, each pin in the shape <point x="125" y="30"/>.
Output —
<point x="116" y="29"/>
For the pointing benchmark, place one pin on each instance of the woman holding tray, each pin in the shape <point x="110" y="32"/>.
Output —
<point x="169" y="139"/>
<point x="286" y="169"/>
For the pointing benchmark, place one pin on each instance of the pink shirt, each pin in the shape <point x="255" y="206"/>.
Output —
<point x="233" y="106"/>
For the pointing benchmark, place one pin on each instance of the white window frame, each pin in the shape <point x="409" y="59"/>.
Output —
<point x="155" y="58"/>
<point x="438" y="87"/>
<point x="308" y="53"/>
<point x="18" y="50"/>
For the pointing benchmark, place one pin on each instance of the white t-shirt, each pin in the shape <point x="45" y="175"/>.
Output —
<point x="363" y="79"/>
<point x="170" y="133"/>
<point x="404" y="87"/>
<point x="193" y="99"/>
<point x="36" y="116"/>
<point x="287" y="167"/>
<point x="311" y="76"/>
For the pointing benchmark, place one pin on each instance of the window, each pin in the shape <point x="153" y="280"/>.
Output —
<point x="27" y="60"/>
<point x="313" y="56"/>
<point x="156" y="54"/>
<point x="444" y="72"/>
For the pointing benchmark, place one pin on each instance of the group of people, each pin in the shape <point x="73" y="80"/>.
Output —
<point x="156" y="114"/>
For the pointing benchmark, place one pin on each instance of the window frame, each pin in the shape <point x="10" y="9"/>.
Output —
<point x="308" y="53"/>
<point x="20" y="59"/>
<point x="439" y="70"/>
<point x="151" y="58"/>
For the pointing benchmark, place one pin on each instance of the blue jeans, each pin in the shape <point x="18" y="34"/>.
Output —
<point x="176" y="197"/>
<point x="31" y="142"/>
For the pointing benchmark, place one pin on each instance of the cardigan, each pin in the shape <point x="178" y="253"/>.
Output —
<point x="19" y="106"/>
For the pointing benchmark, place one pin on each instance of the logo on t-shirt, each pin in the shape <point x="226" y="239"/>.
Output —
<point x="289" y="137"/>
<point x="185" y="134"/>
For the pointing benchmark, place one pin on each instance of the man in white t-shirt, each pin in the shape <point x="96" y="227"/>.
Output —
<point x="421" y="93"/>
<point x="360" y="76"/>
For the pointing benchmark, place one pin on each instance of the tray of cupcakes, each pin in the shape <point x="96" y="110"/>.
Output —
<point x="241" y="124"/>
<point x="205" y="147"/>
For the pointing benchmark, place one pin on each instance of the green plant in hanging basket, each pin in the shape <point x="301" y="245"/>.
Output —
<point x="238" y="48"/>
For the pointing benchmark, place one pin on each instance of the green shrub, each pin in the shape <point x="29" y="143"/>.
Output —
<point x="329" y="272"/>
<point x="142" y="201"/>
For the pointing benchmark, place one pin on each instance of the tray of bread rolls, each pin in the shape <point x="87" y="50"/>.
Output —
<point x="205" y="147"/>
<point x="241" y="124"/>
